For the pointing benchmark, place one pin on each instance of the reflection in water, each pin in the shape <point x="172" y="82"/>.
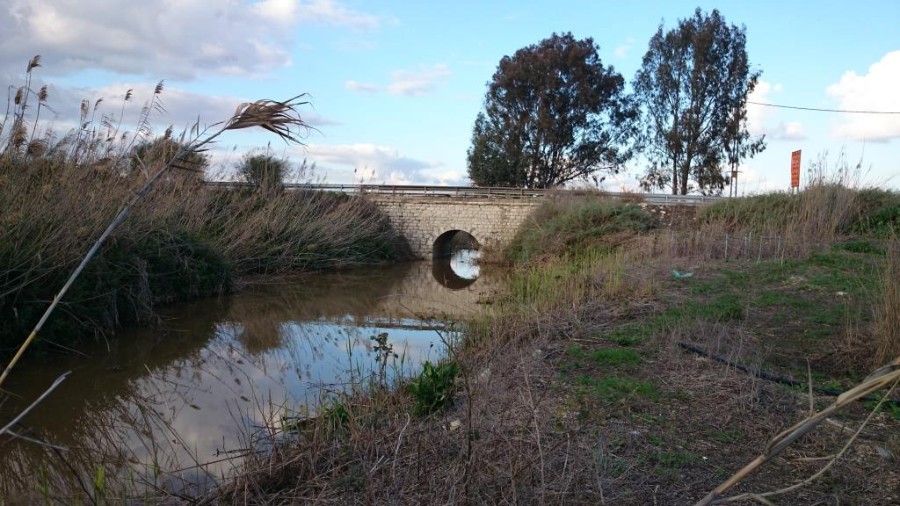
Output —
<point x="458" y="271"/>
<point x="158" y="401"/>
<point x="465" y="263"/>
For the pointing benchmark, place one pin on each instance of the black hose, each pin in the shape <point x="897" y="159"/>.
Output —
<point x="775" y="378"/>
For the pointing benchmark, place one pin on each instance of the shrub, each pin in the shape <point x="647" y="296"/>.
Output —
<point x="433" y="390"/>
<point x="263" y="171"/>
<point x="574" y="226"/>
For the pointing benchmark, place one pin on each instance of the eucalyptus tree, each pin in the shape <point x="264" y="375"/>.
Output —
<point x="693" y="87"/>
<point x="552" y="113"/>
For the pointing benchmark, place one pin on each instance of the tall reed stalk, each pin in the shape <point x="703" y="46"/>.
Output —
<point x="281" y="118"/>
<point x="184" y="239"/>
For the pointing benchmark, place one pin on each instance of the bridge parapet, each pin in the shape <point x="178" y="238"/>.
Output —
<point x="482" y="192"/>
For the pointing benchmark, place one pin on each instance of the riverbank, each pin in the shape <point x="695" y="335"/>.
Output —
<point x="187" y="394"/>
<point x="629" y="364"/>
<point x="184" y="241"/>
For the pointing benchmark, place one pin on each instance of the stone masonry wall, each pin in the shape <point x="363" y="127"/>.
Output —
<point x="493" y="222"/>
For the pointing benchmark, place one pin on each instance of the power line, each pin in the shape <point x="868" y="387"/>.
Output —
<point x="816" y="109"/>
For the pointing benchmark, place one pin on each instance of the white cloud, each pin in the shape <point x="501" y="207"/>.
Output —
<point x="753" y="182"/>
<point x="162" y="38"/>
<point x="373" y="164"/>
<point x="278" y="11"/>
<point x="362" y="87"/>
<point x="874" y="91"/>
<point x="760" y="118"/>
<point x="621" y="51"/>
<point x="411" y="83"/>
<point x="418" y="82"/>
<point x="331" y="12"/>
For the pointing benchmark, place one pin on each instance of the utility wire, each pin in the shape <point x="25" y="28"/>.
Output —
<point x="821" y="110"/>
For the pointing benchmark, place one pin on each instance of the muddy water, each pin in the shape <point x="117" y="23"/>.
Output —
<point x="153" y="404"/>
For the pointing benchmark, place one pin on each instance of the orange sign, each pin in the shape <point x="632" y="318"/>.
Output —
<point x="795" y="169"/>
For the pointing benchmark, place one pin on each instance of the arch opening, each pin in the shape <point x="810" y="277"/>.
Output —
<point x="453" y="241"/>
<point x="455" y="259"/>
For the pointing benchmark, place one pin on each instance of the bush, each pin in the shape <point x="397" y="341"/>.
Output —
<point x="433" y="390"/>
<point x="263" y="171"/>
<point x="822" y="211"/>
<point x="879" y="213"/>
<point x="571" y="227"/>
<point x="122" y="284"/>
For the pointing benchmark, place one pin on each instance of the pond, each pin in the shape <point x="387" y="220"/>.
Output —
<point x="173" y="405"/>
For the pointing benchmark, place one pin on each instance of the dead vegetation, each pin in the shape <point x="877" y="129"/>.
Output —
<point x="577" y="391"/>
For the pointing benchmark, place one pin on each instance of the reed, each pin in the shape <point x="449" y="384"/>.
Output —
<point x="887" y="309"/>
<point x="184" y="240"/>
<point x="833" y="204"/>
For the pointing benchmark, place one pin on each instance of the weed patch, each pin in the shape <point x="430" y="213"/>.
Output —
<point x="606" y="356"/>
<point x="573" y="226"/>
<point x="670" y="464"/>
<point x="434" y="388"/>
<point x="615" y="389"/>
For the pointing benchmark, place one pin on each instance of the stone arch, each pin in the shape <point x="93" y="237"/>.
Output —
<point x="453" y="240"/>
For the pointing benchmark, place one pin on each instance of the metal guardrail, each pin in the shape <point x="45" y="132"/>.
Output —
<point x="477" y="191"/>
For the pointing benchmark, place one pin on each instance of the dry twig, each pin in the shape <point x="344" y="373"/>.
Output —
<point x="885" y="377"/>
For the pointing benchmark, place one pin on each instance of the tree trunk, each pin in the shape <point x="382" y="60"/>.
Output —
<point x="674" y="177"/>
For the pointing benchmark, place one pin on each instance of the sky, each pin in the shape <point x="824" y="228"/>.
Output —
<point x="395" y="86"/>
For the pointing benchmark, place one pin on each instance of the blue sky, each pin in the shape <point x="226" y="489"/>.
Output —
<point x="396" y="85"/>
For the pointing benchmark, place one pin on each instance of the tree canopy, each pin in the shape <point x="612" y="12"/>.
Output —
<point x="162" y="149"/>
<point x="552" y="113"/>
<point x="693" y="87"/>
<point x="263" y="170"/>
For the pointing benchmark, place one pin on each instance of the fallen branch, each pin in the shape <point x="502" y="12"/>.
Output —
<point x="885" y="377"/>
<point x="37" y="401"/>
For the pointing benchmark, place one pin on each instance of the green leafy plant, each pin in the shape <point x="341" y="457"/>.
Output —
<point x="433" y="390"/>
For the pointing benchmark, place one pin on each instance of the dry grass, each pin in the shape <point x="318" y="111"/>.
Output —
<point x="541" y="421"/>
<point x="887" y="312"/>
<point x="184" y="239"/>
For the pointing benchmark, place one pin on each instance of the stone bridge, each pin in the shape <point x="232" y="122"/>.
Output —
<point x="431" y="224"/>
<point x="432" y="217"/>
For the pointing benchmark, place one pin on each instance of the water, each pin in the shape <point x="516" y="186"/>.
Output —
<point x="154" y="403"/>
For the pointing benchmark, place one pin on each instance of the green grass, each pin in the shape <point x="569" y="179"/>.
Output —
<point x="727" y="436"/>
<point x="615" y="389"/>
<point x="634" y="333"/>
<point x="721" y="307"/>
<point x="670" y="464"/>
<point x="865" y="247"/>
<point x="806" y="302"/>
<point x="606" y="356"/>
